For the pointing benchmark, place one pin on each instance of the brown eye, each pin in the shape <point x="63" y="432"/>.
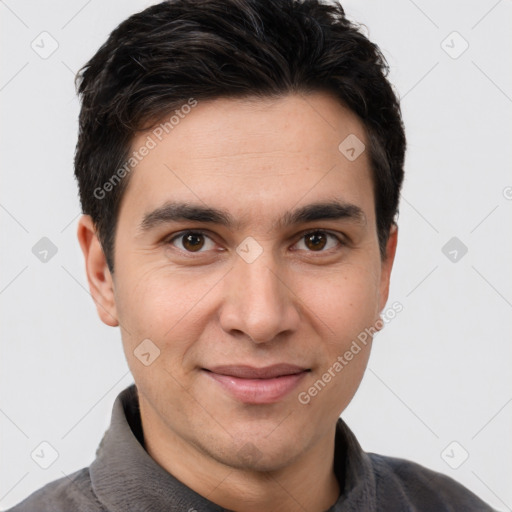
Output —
<point x="316" y="241"/>
<point x="192" y="241"/>
<point x="319" y="241"/>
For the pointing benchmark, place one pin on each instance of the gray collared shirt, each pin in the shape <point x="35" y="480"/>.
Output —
<point x="124" y="477"/>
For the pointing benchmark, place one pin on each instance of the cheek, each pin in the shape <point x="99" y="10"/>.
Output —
<point x="346" y="300"/>
<point x="162" y="305"/>
<point x="331" y="386"/>
<point x="160" y="318"/>
<point x="345" y="311"/>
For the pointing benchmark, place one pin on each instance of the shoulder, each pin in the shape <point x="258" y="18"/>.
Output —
<point x="423" y="488"/>
<point x="72" y="492"/>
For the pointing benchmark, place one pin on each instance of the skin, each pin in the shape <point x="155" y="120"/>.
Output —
<point x="295" y="303"/>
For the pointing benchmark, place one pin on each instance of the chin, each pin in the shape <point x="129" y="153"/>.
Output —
<point x="259" y="453"/>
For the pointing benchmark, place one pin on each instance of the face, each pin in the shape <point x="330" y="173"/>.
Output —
<point x="247" y="253"/>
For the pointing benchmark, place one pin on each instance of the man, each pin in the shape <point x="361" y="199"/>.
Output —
<point x="239" y="165"/>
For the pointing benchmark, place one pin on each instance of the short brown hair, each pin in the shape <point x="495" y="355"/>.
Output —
<point x="158" y="59"/>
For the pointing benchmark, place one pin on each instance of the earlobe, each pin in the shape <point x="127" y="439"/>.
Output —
<point x="387" y="265"/>
<point x="98" y="274"/>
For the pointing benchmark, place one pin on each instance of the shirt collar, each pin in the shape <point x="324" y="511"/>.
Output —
<point x="125" y="477"/>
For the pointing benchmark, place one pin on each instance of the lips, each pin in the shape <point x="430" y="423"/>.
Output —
<point x="249" y="372"/>
<point x="253" y="385"/>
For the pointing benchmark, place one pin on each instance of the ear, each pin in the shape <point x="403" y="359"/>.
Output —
<point x="387" y="265"/>
<point x="100" y="280"/>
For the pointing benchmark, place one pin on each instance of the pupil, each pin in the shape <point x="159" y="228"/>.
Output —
<point x="193" y="242"/>
<point x="316" y="241"/>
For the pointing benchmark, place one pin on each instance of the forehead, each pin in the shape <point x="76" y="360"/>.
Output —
<point x="252" y="156"/>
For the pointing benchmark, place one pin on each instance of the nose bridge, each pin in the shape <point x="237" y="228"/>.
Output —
<point x="257" y="302"/>
<point x="261" y="281"/>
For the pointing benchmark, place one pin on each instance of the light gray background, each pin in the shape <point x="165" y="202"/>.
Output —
<point x="440" y="371"/>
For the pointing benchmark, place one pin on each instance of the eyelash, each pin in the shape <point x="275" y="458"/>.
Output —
<point x="192" y="254"/>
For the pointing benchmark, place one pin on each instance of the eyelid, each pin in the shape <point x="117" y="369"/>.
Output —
<point x="337" y="235"/>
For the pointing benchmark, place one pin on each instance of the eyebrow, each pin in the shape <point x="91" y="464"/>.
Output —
<point x="177" y="211"/>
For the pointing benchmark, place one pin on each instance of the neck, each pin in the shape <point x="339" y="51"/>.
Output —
<point x="309" y="483"/>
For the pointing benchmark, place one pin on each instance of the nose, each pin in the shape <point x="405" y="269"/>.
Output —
<point x="258" y="301"/>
